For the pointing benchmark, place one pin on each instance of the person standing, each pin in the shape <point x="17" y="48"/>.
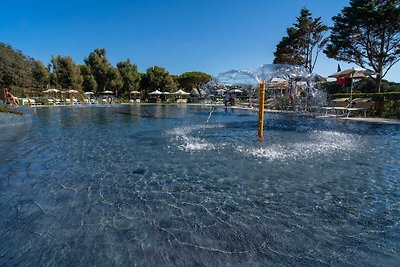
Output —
<point x="226" y="100"/>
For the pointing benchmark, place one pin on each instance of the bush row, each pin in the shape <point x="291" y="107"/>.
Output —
<point x="374" y="96"/>
<point x="391" y="109"/>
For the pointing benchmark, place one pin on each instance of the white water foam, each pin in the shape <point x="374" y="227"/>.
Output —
<point x="323" y="143"/>
<point x="187" y="142"/>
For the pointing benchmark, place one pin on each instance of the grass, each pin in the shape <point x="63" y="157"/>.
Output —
<point x="6" y="109"/>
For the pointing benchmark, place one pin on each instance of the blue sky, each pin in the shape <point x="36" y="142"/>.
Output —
<point x="182" y="35"/>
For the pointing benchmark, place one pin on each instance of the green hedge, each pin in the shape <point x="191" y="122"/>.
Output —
<point x="374" y="96"/>
<point x="391" y="109"/>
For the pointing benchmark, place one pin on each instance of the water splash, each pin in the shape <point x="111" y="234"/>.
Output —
<point x="237" y="77"/>
<point x="325" y="142"/>
<point x="209" y="115"/>
<point x="265" y="72"/>
<point x="187" y="142"/>
<point x="294" y="76"/>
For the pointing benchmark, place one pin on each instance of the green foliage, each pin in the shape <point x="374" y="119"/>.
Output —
<point x="333" y="88"/>
<point x="66" y="74"/>
<point x="89" y="83"/>
<point x="101" y="75"/>
<point x="374" y="96"/>
<point x="194" y="79"/>
<point x="367" y="33"/>
<point x="368" y="85"/>
<point x="157" y="78"/>
<point x="97" y="75"/>
<point x="286" y="50"/>
<point x="14" y="68"/>
<point x="303" y="42"/>
<point x="114" y="80"/>
<point x="100" y="68"/>
<point x="392" y="109"/>
<point x="18" y="91"/>
<point x="40" y="74"/>
<point x="365" y="85"/>
<point x="130" y="77"/>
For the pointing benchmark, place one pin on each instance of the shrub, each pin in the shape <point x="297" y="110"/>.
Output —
<point x="392" y="109"/>
<point x="374" y="96"/>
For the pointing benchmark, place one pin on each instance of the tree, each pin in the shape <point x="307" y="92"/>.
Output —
<point x="40" y="74"/>
<point x="66" y="74"/>
<point x="100" y="67"/>
<point x="367" y="33"/>
<point x="89" y="83"/>
<point x="130" y="76"/>
<point x="303" y="42"/>
<point x="194" y="79"/>
<point x="14" y="69"/>
<point x="286" y="50"/>
<point x="114" y="80"/>
<point x="367" y="85"/>
<point x="157" y="78"/>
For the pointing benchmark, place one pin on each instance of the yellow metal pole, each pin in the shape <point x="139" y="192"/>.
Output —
<point x="261" y="112"/>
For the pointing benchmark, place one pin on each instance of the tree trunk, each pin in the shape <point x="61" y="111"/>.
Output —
<point x="378" y="83"/>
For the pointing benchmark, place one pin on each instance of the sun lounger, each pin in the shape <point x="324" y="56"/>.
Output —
<point x="24" y="101"/>
<point x="75" y="101"/>
<point x="270" y="103"/>
<point x="339" y="106"/>
<point x="32" y="102"/>
<point x="360" y="104"/>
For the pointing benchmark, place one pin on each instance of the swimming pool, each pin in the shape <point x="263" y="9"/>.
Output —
<point x="165" y="185"/>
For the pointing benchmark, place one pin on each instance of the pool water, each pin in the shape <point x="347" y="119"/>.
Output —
<point x="159" y="185"/>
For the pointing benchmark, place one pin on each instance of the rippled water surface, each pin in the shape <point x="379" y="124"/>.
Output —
<point x="183" y="186"/>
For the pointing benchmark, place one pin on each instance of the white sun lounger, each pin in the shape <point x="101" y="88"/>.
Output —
<point x="360" y="104"/>
<point x="32" y="102"/>
<point x="339" y="107"/>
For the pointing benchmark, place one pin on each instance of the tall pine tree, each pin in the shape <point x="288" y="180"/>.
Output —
<point x="303" y="43"/>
